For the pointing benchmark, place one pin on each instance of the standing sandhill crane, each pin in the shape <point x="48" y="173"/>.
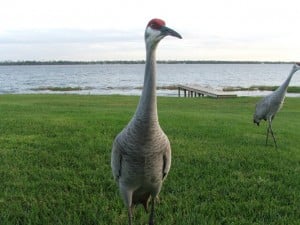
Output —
<point x="268" y="107"/>
<point x="141" y="153"/>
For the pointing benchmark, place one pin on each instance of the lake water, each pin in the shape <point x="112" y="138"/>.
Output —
<point x="127" y="79"/>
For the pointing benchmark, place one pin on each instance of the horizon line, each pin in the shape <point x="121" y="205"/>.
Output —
<point x="78" y="62"/>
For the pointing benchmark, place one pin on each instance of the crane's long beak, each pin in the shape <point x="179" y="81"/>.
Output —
<point x="165" y="31"/>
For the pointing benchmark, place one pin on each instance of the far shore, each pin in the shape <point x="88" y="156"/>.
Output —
<point x="291" y="89"/>
<point x="67" y="62"/>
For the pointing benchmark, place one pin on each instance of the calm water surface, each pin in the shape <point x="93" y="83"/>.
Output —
<point x="127" y="79"/>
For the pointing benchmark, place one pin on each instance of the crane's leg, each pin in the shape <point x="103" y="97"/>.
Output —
<point x="130" y="215"/>
<point x="273" y="136"/>
<point x="268" y="131"/>
<point x="127" y="197"/>
<point x="151" y="218"/>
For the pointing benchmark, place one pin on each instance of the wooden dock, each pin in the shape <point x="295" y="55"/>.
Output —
<point x="199" y="91"/>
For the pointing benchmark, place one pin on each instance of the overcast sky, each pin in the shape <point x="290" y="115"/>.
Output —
<point x="113" y="29"/>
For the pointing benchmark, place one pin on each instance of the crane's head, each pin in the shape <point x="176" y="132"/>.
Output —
<point x="296" y="66"/>
<point x="260" y="112"/>
<point x="157" y="30"/>
<point x="256" y="120"/>
<point x="256" y="117"/>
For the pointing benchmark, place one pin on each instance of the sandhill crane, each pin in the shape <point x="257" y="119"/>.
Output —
<point x="141" y="152"/>
<point x="267" y="107"/>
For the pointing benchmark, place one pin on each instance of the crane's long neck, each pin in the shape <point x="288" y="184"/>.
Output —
<point x="147" y="107"/>
<point x="284" y="86"/>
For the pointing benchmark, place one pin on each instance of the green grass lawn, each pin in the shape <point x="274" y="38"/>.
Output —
<point x="55" y="161"/>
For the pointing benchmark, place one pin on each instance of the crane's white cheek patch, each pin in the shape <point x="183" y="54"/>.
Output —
<point x="152" y="34"/>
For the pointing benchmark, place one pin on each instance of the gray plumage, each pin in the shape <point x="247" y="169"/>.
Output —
<point x="267" y="107"/>
<point x="141" y="153"/>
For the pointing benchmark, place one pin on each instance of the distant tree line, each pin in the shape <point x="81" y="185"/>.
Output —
<point x="65" y="62"/>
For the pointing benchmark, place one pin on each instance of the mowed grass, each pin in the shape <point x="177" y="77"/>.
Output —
<point x="55" y="161"/>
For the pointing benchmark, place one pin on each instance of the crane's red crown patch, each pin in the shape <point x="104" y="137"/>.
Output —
<point x="156" y="24"/>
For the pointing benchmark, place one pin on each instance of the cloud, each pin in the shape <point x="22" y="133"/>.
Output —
<point x="60" y="36"/>
<point x="71" y="44"/>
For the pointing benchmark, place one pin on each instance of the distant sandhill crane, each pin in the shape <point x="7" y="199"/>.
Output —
<point x="267" y="107"/>
<point x="141" y="153"/>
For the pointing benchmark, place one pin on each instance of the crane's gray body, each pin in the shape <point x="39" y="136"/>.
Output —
<point x="267" y="107"/>
<point x="272" y="103"/>
<point x="141" y="152"/>
<point x="141" y="158"/>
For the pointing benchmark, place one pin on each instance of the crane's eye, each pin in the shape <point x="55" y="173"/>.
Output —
<point x="155" y="26"/>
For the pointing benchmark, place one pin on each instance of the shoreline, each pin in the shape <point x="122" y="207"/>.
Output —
<point x="173" y="94"/>
<point x="69" y="62"/>
<point x="291" y="89"/>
